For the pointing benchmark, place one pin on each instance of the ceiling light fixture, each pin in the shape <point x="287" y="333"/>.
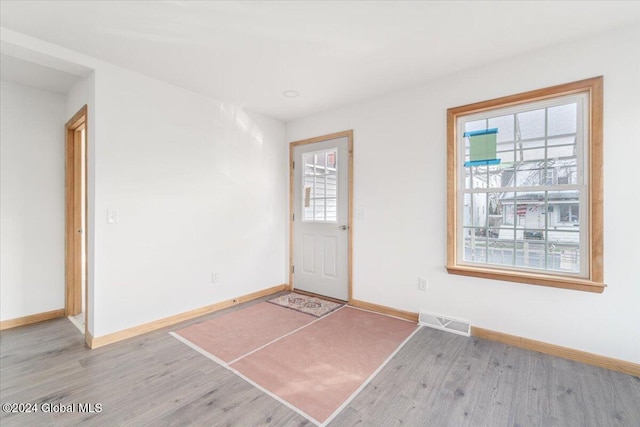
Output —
<point x="291" y="93"/>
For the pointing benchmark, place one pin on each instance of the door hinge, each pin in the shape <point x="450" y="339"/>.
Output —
<point x="293" y="268"/>
<point x="294" y="165"/>
<point x="293" y="217"/>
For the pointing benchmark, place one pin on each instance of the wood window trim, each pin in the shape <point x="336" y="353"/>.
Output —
<point x="595" y="280"/>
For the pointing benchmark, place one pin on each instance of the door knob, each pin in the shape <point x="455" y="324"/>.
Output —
<point x="343" y="227"/>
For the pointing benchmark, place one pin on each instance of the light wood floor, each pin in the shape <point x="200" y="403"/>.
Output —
<point x="437" y="379"/>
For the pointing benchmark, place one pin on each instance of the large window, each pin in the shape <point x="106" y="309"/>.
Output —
<point x="525" y="187"/>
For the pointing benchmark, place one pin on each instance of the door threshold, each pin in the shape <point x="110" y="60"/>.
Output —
<point x="77" y="323"/>
<point x="324" y="297"/>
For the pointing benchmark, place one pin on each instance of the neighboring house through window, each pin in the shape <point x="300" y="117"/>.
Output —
<point x="525" y="187"/>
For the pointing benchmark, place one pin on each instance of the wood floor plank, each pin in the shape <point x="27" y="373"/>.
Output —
<point x="436" y="379"/>
<point x="507" y="369"/>
<point x="455" y="381"/>
<point x="530" y="403"/>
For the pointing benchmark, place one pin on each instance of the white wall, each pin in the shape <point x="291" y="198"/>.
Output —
<point x="31" y="201"/>
<point x="199" y="188"/>
<point x="79" y="95"/>
<point x="400" y="182"/>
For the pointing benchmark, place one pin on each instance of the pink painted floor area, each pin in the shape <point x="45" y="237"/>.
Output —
<point x="319" y="367"/>
<point x="240" y="332"/>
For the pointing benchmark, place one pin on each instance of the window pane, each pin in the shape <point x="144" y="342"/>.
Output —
<point x="500" y="251"/>
<point x="321" y="161"/>
<point x="564" y="253"/>
<point x="495" y="215"/>
<point x="331" y="186"/>
<point x="481" y="177"/>
<point x="530" y="208"/>
<point x="530" y="254"/>
<point x="494" y="176"/>
<point x="308" y="212"/>
<point x="307" y="193"/>
<point x="530" y="174"/>
<point x="508" y="209"/>
<point x="506" y="154"/>
<point x="479" y="214"/>
<point x="565" y="171"/>
<point x="530" y="143"/>
<point x="531" y="155"/>
<point x="319" y="210"/>
<point x="332" y="212"/>
<point x="467" y="211"/>
<point x="475" y="210"/>
<point x="561" y="152"/>
<point x="494" y="209"/>
<point x="475" y="176"/>
<point x="320" y="189"/>
<point x="505" y="125"/>
<point x="564" y="210"/>
<point x="530" y="124"/>
<point x="477" y="125"/>
<point x="562" y="119"/>
<point x="564" y="230"/>
<point x="475" y="245"/>
<point x="565" y="140"/>
<point x="468" y="176"/>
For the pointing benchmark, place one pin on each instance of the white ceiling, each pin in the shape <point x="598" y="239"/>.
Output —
<point x="333" y="53"/>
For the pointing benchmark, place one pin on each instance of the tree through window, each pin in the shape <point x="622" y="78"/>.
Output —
<point x="530" y="210"/>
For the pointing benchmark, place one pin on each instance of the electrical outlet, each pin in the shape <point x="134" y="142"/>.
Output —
<point x="423" y="284"/>
<point x="215" y="278"/>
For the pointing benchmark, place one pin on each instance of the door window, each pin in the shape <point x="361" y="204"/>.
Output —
<point x="320" y="186"/>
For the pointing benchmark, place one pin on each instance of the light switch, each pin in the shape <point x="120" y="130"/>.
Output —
<point x="112" y="216"/>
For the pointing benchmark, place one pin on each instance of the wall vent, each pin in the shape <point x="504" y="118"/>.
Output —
<point x="443" y="323"/>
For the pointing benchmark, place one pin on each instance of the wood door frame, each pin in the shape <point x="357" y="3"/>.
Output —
<point x="349" y="135"/>
<point x="73" y="210"/>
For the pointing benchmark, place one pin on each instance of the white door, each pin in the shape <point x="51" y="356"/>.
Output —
<point x="321" y="217"/>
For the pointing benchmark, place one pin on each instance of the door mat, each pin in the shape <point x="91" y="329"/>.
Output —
<point x="317" y="307"/>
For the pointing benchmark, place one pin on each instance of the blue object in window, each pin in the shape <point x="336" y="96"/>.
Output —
<point x="482" y="147"/>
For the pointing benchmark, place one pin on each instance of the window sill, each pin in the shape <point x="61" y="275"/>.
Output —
<point x="576" y="284"/>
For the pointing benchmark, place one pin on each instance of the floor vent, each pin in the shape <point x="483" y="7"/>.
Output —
<point x="442" y="323"/>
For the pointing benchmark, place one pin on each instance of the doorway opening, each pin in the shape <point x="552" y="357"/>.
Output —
<point x="76" y="220"/>
<point x="321" y="206"/>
